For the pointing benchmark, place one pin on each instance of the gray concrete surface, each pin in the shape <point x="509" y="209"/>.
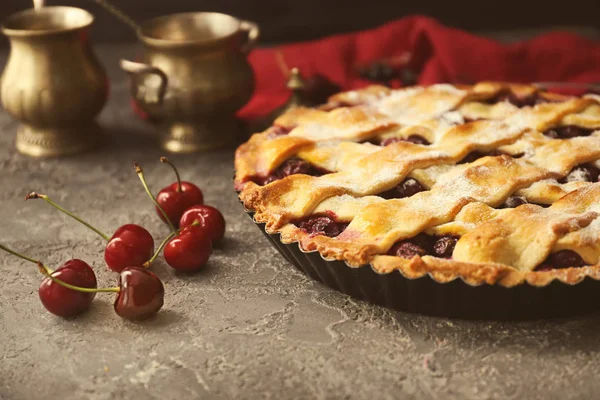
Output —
<point x="249" y="326"/>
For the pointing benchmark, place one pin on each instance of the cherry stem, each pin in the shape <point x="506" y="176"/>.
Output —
<point x="166" y="161"/>
<point x="157" y="252"/>
<point x="48" y="272"/>
<point x="34" y="195"/>
<point x="140" y="172"/>
<point x="14" y="253"/>
<point x="164" y="243"/>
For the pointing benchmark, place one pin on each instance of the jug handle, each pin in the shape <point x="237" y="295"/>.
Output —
<point x="253" y="34"/>
<point x="137" y="68"/>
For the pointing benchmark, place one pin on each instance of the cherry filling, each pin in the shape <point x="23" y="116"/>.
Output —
<point x="472" y="156"/>
<point x="567" y="132"/>
<point x="321" y="225"/>
<point x="277" y="131"/>
<point x="444" y="246"/>
<point x="469" y="120"/>
<point x="423" y="245"/>
<point x="407" y="249"/>
<point x="292" y="166"/>
<point x="582" y="173"/>
<point x="516" y="201"/>
<point x="513" y="99"/>
<point x="513" y="201"/>
<point x="416" y="139"/>
<point x="406" y="188"/>
<point x="475" y="155"/>
<point x="562" y="259"/>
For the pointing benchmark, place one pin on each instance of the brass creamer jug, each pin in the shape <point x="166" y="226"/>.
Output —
<point x="52" y="81"/>
<point x="193" y="76"/>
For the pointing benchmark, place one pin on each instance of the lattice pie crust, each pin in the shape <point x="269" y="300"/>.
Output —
<point x="506" y="127"/>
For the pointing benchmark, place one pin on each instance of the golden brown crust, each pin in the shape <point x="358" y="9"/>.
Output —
<point x="496" y="246"/>
<point x="444" y="270"/>
<point x="260" y="155"/>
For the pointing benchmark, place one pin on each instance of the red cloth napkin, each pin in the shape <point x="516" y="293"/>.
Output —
<point x="438" y="54"/>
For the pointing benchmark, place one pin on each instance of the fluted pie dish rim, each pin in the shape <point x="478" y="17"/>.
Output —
<point x="535" y="181"/>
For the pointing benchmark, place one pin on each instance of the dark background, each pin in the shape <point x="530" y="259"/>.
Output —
<point x="293" y="20"/>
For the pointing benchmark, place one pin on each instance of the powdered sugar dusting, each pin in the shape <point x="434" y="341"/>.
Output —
<point x="352" y="95"/>
<point x="577" y="175"/>
<point x="432" y="112"/>
<point x="452" y="118"/>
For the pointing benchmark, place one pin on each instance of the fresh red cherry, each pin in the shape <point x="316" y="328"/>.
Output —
<point x="66" y="302"/>
<point x="58" y="299"/>
<point x="175" y="201"/>
<point x="130" y="245"/>
<point x="209" y="218"/>
<point x="177" y="197"/>
<point x="189" y="250"/>
<point x="141" y="294"/>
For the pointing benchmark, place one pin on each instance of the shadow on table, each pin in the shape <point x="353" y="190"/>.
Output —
<point x="165" y="317"/>
<point x="101" y="312"/>
<point x="552" y="335"/>
<point x="126" y="138"/>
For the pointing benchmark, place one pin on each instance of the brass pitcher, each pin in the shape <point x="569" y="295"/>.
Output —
<point x="52" y="81"/>
<point x="193" y="77"/>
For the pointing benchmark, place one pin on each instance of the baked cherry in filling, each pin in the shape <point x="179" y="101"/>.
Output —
<point x="416" y="139"/>
<point x="582" y="173"/>
<point x="568" y="132"/>
<point x="424" y="245"/>
<point x="407" y="249"/>
<point x="323" y="224"/>
<point x="292" y="166"/>
<point x="561" y="259"/>
<point x="469" y="120"/>
<point x="406" y="188"/>
<point x="515" y="100"/>
<point x="277" y="131"/>
<point x="513" y="201"/>
<point x="472" y="156"/>
<point x="475" y="155"/>
<point x="443" y="246"/>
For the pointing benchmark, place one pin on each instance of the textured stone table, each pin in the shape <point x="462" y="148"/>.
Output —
<point x="249" y="326"/>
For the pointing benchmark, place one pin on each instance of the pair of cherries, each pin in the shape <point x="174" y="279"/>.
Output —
<point x="70" y="289"/>
<point x="200" y="226"/>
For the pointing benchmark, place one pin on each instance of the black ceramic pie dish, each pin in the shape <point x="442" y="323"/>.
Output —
<point x="455" y="299"/>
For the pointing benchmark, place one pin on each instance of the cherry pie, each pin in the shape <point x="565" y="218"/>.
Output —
<point x="492" y="183"/>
